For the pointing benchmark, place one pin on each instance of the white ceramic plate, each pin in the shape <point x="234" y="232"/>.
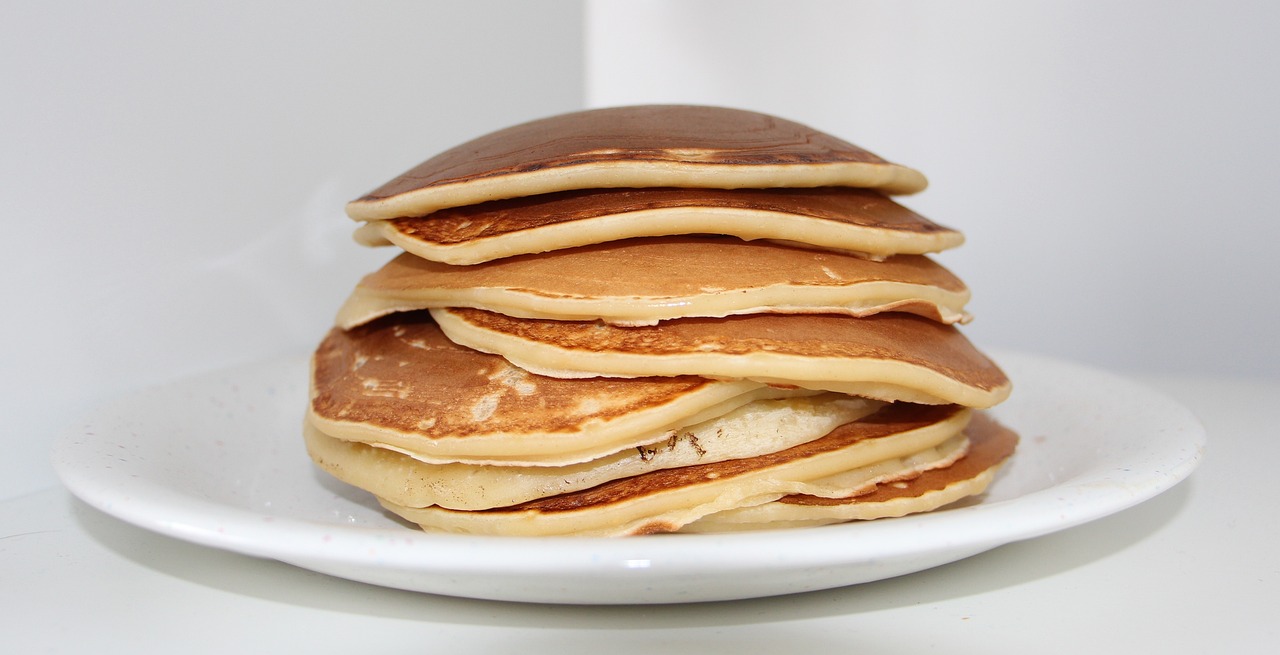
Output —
<point x="218" y="460"/>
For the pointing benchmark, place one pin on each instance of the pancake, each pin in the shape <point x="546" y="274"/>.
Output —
<point x="757" y="428"/>
<point x="888" y="356"/>
<point x="399" y="382"/>
<point x="704" y="276"/>
<point x="991" y="444"/>
<point x="666" y="500"/>
<point x="833" y="218"/>
<point x="638" y="146"/>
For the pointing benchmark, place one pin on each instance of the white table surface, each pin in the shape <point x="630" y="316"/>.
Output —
<point x="1193" y="571"/>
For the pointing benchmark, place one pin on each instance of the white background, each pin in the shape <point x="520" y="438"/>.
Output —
<point x="172" y="175"/>
<point x="1114" y="165"/>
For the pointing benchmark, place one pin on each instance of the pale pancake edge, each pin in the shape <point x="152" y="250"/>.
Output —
<point x="703" y="277"/>
<point x="758" y="428"/>
<point x="665" y="500"/>
<point x="886" y="356"/>
<point x="831" y="218"/>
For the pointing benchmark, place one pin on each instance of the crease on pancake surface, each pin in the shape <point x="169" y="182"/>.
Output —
<point x="666" y="500"/>
<point x="401" y="383"/>
<point x="755" y="429"/>
<point x="833" y="218"/>
<point x="885" y="356"/>
<point x="637" y="146"/>
<point x="703" y="277"/>
<point x="990" y="445"/>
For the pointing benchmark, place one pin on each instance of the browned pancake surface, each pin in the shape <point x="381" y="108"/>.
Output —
<point x="895" y="337"/>
<point x="857" y="207"/>
<point x="402" y="374"/>
<point x="656" y="133"/>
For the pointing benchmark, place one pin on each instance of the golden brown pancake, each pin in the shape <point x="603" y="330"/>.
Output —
<point x="399" y="382"/>
<point x="638" y="146"/>
<point x="888" y="356"/>
<point x="842" y="219"/>
<point x="666" y="500"/>
<point x="702" y="276"/>
<point x="757" y="428"/>
<point x="990" y="445"/>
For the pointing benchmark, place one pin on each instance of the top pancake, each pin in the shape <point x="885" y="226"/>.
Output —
<point x="638" y="146"/>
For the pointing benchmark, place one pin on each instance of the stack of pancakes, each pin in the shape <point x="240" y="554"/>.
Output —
<point x="654" y="319"/>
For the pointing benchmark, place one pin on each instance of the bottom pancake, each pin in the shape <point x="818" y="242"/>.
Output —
<point x="900" y="441"/>
<point x="990" y="445"/>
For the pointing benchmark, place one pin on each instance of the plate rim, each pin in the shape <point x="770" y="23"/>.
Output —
<point x="277" y="537"/>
